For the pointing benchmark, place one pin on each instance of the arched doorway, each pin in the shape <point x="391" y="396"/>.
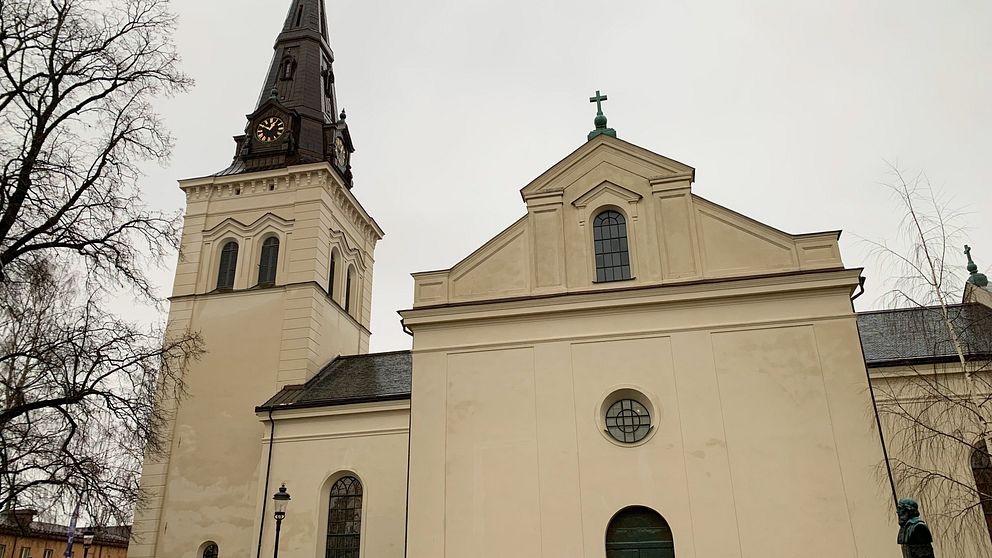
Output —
<point x="639" y="532"/>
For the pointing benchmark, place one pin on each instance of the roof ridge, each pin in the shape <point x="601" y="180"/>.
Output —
<point x="917" y="308"/>
<point x="374" y="354"/>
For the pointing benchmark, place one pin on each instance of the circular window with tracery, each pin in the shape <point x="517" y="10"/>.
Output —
<point x="628" y="421"/>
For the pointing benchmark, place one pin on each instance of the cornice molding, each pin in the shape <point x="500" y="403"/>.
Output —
<point x="691" y="291"/>
<point x="348" y="410"/>
<point x="281" y="180"/>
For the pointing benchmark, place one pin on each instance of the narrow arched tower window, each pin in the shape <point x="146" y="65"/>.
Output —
<point x="639" y="531"/>
<point x="349" y="291"/>
<point x="268" y="261"/>
<point x="609" y="232"/>
<point x="228" y="265"/>
<point x="288" y="69"/>
<point x="981" y="466"/>
<point x="332" y="275"/>
<point x="210" y="551"/>
<point x="344" y="519"/>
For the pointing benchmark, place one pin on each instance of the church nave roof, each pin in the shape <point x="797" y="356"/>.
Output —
<point x="350" y="379"/>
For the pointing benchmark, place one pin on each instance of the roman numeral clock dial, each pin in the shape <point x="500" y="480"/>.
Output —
<point x="270" y="129"/>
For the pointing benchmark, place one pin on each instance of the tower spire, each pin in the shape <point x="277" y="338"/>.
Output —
<point x="301" y="62"/>
<point x="296" y="120"/>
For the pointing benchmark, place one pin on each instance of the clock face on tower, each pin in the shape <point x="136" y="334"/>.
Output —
<point x="270" y="129"/>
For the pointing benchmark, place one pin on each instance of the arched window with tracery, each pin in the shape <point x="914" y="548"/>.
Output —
<point x="344" y="519"/>
<point x="981" y="466"/>
<point x="638" y="531"/>
<point x="609" y="232"/>
<point x="228" y="265"/>
<point x="268" y="261"/>
<point x="209" y="551"/>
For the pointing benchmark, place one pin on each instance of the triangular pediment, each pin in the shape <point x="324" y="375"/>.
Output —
<point x="607" y="189"/>
<point x="607" y="150"/>
<point x="269" y="106"/>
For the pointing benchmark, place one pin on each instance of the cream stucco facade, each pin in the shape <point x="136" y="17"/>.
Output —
<point x="258" y="339"/>
<point x="732" y="345"/>
<point x="619" y="295"/>
<point x="740" y="339"/>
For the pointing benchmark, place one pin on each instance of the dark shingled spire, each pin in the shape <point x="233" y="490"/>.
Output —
<point x="299" y="91"/>
<point x="303" y="47"/>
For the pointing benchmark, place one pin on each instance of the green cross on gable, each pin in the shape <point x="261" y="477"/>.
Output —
<point x="600" y="120"/>
<point x="598" y="99"/>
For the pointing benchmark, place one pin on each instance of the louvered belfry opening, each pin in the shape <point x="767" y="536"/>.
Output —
<point x="268" y="261"/>
<point x="228" y="266"/>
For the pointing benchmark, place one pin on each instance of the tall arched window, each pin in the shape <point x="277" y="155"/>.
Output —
<point x="981" y="466"/>
<point x="639" y="532"/>
<point x="267" y="262"/>
<point x="609" y="231"/>
<point x="349" y="293"/>
<point x="332" y="275"/>
<point x="344" y="519"/>
<point x="228" y="265"/>
<point x="209" y="551"/>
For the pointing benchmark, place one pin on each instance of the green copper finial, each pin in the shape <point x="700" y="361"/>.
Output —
<point x="976" y="278"/>
<point x="600" y="120"/>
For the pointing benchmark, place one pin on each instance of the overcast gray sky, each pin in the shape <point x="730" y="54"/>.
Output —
<point x="787" y="110"/>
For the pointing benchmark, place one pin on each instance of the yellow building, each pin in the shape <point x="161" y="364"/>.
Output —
<point x="23" y="537"/>
<point x="628" y="370"/>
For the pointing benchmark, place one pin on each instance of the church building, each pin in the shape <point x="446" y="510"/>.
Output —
<point x="629" y="370"/>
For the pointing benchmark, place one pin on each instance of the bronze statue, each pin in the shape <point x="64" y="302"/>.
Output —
<point x="914" y="535"/>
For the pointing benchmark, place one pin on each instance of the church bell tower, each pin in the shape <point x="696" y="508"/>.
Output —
<point x="297" y="119"/>
<point x="275" y="273"/>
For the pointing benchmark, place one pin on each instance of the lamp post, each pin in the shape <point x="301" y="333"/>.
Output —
<point x="281" y="500"/>
<point x="88" y="537"/>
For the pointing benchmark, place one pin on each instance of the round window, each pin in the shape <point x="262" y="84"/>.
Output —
<point x="628" y="421"/>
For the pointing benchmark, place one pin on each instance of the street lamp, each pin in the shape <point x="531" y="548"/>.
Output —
<point x="88" y="537"/>
<point x="281" y="500"/>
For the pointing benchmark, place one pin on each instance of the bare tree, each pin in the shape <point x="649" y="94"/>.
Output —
<point x="77" y="79"/>
<point x="79" y="392"/>
<point x="78" y="385"/>
<point x="937" y="405"/>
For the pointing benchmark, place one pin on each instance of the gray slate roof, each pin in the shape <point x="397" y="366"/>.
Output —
<point x="909" y="335"/>
<point x="350" y="379"/>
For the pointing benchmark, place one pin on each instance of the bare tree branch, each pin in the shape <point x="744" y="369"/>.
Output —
<point x="936" y="415"/>
<point x="83" y="393"/>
